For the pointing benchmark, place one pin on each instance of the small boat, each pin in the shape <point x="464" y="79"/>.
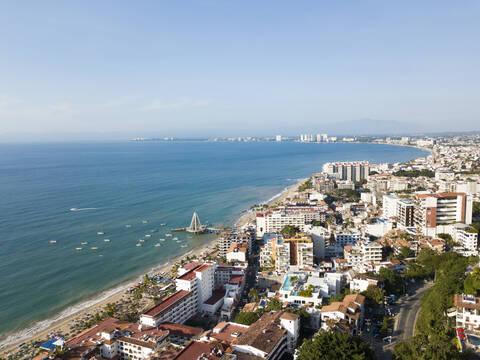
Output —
<point x="84" y="243"/>
<point x="157" y="245"/>
<point x="139" y="245"/>
<point x="128" y="226"/>
<point x="184" y="246"/>
<point x="168" y="234"/>
<point x="153" y="230"/>
<point x="53" y="241"/>
<point x="164" y="224"/>
<point x="73" y="209"/>
<point x="94" y="248"/>
<point x="175" y="238"/>
<point x="141" y="240"/>
<point x="106" y="240"/>
<point x="148" y="236"/>
<point x="144" y="222"/>
<point x="161" y="239"/>
<point x="179" y="242"/>
<point x="78" y="249"/>
<point x="100" y="233"/>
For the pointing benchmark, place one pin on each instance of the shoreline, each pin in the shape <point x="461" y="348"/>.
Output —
<point x="10" y="340"/>
<point x="40" y="329"/>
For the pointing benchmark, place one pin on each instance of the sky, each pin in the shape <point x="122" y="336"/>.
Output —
<point x="113" y="69"/>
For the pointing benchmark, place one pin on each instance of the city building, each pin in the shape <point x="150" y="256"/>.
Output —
<point x="350" y="310"/>
<point x="353" y="171"/>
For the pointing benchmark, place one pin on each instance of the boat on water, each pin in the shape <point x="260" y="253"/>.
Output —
<point x="168" y="235"/>
<point x="84" y="243"/>
<point x="175" y="238"/>
<point x="161" y="239"/>
<point x="94" y="248"/>
<point x="163" y="224"/>
<point x="157" y="245"/>
<point x="53" y="241"/>
<point x="144" y="222"/>
<point x="100" y="233"/>
<point x="141" y="240"/>
<point x="106" y="240"/>
<point x="78" y="249"/>
<point x="148" y="236"/>
<point x="139" y="245"/>
<point x="73" y="209"/>
<point x="128" y="226"/>
<point x="184" y="246"/>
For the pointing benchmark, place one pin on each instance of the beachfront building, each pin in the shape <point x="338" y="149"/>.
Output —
<point x="349" y="313"/>
<point x="226" y="238"/>
<point x="270" y="337"/>
<point x="194" y="287"/>
<point x="273" y="222"/>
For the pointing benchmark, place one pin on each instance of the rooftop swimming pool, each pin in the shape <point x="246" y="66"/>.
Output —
<point x="474" y="340"/>
<point x="286" y="284"/>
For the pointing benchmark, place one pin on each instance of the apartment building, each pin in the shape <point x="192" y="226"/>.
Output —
<point x="226" y="238"/>
<point x="177" y="308"/>
<point x="467" y="311"/>
<point x="353" y="171"/>
<point x="284" y="253"/>
<point x="468" y="238"/>
<point x="362" y="254"/>
<point x="351" y="311"/>
<point x="238" y="252"/>
<point x="270" y="337"/>
<point x="347" y="238"/>
<point x="273" y="222"/>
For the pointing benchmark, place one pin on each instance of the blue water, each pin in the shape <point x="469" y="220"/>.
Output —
<point x="125" y="183"/>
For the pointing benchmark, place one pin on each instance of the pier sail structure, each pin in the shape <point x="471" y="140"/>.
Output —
<point x="195" y="226"/>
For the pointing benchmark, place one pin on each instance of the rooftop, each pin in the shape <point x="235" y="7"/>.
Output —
<point x="167" y="302"/>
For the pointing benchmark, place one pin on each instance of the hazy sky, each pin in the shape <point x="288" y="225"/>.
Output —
<point x="194" y="68"/>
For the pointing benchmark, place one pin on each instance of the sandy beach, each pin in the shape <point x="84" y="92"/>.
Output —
<point x="119" y="297"/>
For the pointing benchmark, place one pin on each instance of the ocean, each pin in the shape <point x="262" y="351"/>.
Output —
<point x="141" y="184"/>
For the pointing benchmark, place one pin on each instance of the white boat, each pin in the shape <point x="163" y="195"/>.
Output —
<point x="164" y="224"/>
<point x="128" y="226"/>
<point x="84" y="243"/>
<point x="175" y="238"/>
<point x="161" y="239"/>
<point x="157" y="245"/>
<point x="148" y="236"/>
<point x="179" y="242"/>
<point x="94" y="248"/>
<point x="106" y="240"/>
<point x="139" y="245"/>
<point x="168" y="234"/>
<point x="100" y="233"/>
<point x="53" y="241"/>
<point x="73" y="209"/>
<point x="78" y="249"/>
<point x="144" y="222"/>
<point x="184" y="246"/>
<point x="141" y="240"/>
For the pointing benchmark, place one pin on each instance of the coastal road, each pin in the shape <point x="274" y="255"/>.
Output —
<point x="404" y="327"/>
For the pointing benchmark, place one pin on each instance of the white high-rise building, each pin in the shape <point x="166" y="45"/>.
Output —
<point x="278" y="138"/>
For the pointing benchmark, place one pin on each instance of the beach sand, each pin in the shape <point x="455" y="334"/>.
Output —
<point x="63" y="326"/>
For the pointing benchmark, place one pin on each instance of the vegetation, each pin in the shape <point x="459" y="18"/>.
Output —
<point x="334" y="345"/>
<point x="405" y="252"/>
<point x="360" y="183"/>
<point x="393" y="282"/>
<point x="415" y="173"/>
<point x="374" y="295"/>
<point x="476" y="209"/>
<point x="290" y="230"/>
<point x="472" y="283"/>
<point x="435" y="337"/>
<point x="249" y="317"/>
<point x="448" y="239"/>
<point x="306" y="185"/>
<point x="339" y="296"/>
<point x="253" y="294"/>
<point x="318" y="223"/>
<point x="307" y="292"/>
<point x="343" y="195"/>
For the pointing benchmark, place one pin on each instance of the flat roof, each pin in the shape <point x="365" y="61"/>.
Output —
<point x="169" y="301"/>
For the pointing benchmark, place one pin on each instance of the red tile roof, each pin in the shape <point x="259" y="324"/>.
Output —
<point x="168" y="302"/>
<point x="217" y="295"/>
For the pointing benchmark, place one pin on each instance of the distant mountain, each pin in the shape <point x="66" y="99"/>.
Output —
<point x="372" y="127"/>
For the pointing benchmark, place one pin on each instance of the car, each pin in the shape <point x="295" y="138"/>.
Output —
<point x="387" y="339"/>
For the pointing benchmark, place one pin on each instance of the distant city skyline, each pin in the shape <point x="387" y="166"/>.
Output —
<point x="115" y="70"/>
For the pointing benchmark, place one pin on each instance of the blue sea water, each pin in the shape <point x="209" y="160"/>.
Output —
<point x="125" y="183"/>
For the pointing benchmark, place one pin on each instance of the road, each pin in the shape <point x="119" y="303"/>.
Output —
<point x="409" y="306"/>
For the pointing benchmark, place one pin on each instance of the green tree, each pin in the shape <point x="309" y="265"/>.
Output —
<point x="253" y="294"/>
<point x="246" y="317"/>
<point x="472" y="282"/>
<point x="306" y="185"/>
<point x="476" y="208"/>
<point x="290" y="230"/>
<point x="393" y="282"/>
<point x="110" y="309"/>
<point x="333" y="345"/>
<point x="274" y="305"/>
<point x="374" y="295"/>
